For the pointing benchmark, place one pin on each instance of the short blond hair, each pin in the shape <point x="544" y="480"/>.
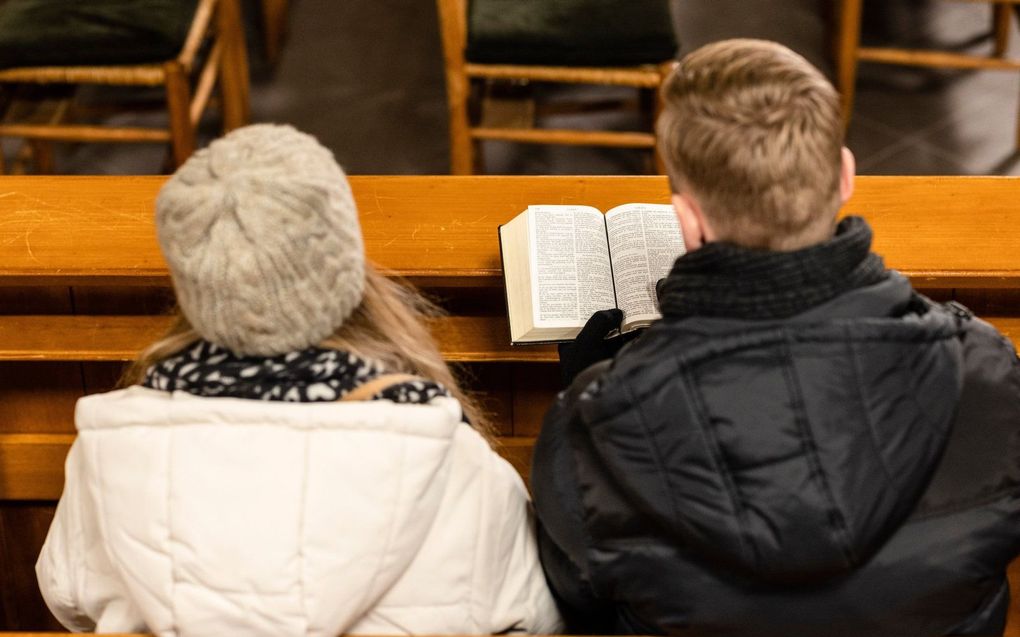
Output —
<point x="754" y="132"/>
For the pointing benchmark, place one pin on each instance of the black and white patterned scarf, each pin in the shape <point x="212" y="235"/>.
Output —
<point x="310" y="375"/>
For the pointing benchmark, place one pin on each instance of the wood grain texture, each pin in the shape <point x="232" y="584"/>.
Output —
<point x="196" y="32"/>
<point x="140" y="75"/>
<point x="491" y="386"/>
<point x="32" y="465"/>
<point x="35" y="300"/>
<point x="23" y="528"/>
<point x="453" y="29"/>
<point x="39" y="397"/>
<point x="274" y="26"/>
<point x="1002" y="22"/>
<point x="462" y="339"/>
<point x="233" y="66"/>
<point x="959" y="232"/>
<point x="535" y="389"/>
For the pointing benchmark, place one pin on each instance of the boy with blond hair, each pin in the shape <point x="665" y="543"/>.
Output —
<point x="803" y="445"/>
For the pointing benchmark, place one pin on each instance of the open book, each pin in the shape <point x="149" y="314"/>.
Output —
<point x="562" y="263"/>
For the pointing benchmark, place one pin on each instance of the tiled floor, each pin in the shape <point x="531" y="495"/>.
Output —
<point x="915" y="121"/>
<point x="365" y="76"/>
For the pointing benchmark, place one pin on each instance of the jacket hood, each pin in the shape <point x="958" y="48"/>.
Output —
<point x="785" y="450"/>
<point x="298" y="515"/>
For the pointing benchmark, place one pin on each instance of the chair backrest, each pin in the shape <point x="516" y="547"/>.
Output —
<point x="567" y="33"/>
<point x="453" y="28"/>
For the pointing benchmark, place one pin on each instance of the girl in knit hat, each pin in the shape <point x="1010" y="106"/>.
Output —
<point x="294" y="457"/>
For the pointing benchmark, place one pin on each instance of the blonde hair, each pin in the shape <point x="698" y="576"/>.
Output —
<point x="754" y="132"/>
<point x="388" y="327"/>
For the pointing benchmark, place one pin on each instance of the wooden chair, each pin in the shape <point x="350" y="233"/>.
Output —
<point x="274" y="23"/>
<point x="850" y="52"/>
<point x="461" y="74"/>
<point x="226" y="64"/>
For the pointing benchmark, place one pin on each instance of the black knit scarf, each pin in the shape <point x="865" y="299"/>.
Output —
<point x="728" y="281"/>
<point x="311" y="375"/>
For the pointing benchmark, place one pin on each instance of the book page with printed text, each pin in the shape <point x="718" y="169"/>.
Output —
<point x="644" y="241"/>
<point x="570" y="265"/>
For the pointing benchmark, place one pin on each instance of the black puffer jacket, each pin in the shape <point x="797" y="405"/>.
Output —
<point x="853" y="469"/>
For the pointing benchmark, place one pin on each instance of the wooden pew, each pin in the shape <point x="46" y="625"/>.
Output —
<point x="83" y="288"/>
<point x="943" y="232"/>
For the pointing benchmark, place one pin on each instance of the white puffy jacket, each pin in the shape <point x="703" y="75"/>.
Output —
<point x="184" y="515"/>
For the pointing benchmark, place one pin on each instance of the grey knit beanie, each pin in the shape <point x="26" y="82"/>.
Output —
<point x="262" y="238"/>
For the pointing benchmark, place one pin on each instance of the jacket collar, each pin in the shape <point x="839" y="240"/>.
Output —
<point x="143" y="407"/>
<point x="724" y="280"/>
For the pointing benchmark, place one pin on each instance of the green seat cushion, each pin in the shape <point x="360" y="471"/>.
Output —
<point x="570" y="32"/>
<point x="92" y="32"/>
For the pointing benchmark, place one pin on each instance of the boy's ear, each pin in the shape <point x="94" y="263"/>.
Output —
<point x="847" y="173"/>
<point x="692" y="221"/>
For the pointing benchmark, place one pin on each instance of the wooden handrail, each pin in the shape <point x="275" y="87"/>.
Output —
<point x="462" y="339"/>
<point x="948" y="232"/>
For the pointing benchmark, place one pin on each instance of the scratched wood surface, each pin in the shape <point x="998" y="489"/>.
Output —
<point x="942" y="231"/>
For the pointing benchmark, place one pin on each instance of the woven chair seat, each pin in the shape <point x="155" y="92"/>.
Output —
<point x="92" y="32"/>
<point x="570" y="32"/>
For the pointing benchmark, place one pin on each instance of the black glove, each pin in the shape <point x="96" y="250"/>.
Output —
<point x="591" y="344"/>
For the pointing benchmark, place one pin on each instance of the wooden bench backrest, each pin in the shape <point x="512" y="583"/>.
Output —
<point x="941" y="231"/>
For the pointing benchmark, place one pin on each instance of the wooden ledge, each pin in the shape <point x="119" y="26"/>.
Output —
<point x="32" y="465"/>
<point x="462" y="339"/>
<point x="943" y="232"/>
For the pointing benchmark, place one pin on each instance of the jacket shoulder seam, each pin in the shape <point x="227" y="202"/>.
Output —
<point x="872" y="433"/>
<point x="837" y="518"/>
<point x="715" y="452"/>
